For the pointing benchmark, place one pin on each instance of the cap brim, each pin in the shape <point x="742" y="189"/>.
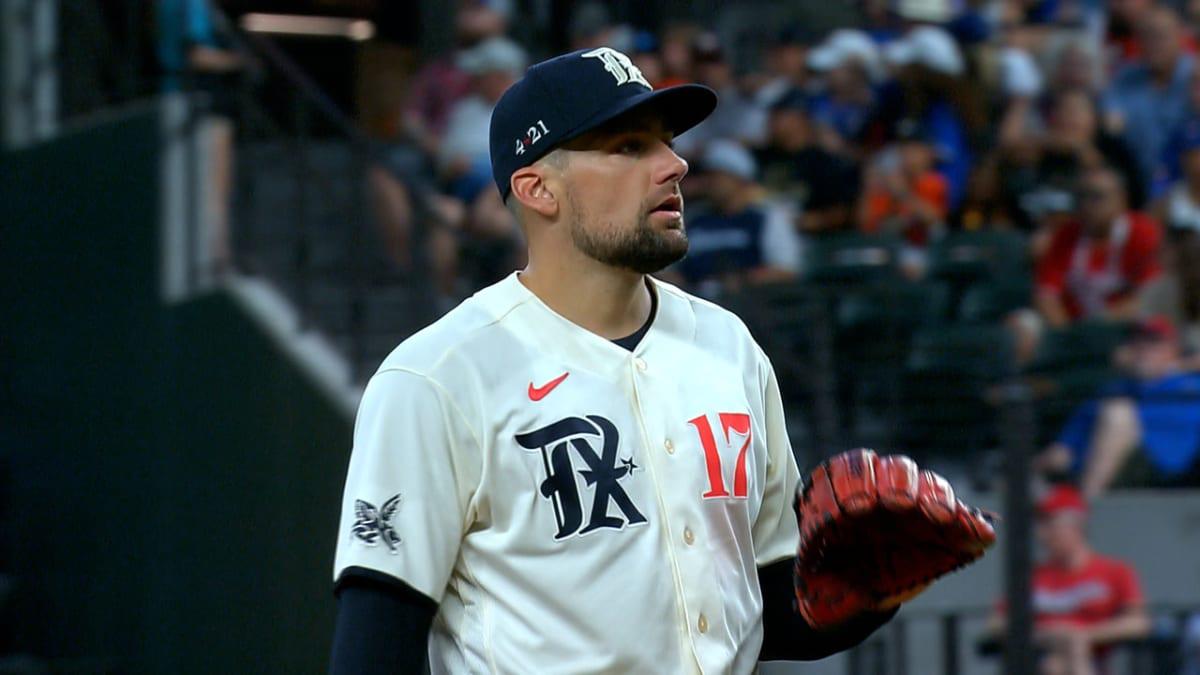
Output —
<point x="680" y="107"/>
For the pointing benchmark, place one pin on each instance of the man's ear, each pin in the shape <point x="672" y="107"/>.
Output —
<point x="529" y="186"/>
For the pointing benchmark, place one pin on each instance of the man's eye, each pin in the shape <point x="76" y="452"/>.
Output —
<point x="630" y="147"/>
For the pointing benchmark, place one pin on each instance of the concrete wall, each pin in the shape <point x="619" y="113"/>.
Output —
<point x="172" y="480"/>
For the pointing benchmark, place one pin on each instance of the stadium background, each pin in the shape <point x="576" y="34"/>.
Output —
<point x="182" y="345"/>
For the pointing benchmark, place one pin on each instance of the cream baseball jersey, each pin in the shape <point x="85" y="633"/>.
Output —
<point x="571" y="505"/>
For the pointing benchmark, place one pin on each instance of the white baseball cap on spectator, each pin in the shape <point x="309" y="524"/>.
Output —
<point x="492" y="55"/>
<point x="1019" y="74"/>
<point x="844" y="45"/>
<point x="933" y="11"/>
<point x="928" y="46"/>
<point x="730" y="157"/>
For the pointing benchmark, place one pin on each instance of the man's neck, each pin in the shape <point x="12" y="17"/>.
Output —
<point x="609" y="302"/>
<point x="1163" y="76"/>
<point x="1076" y="560"/>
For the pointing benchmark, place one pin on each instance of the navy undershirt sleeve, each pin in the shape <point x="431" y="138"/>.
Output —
<point x="382" y="626"/>
<point x="788" y="637"/>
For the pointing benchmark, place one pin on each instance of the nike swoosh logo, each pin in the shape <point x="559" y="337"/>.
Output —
<point x="539" y="393"/>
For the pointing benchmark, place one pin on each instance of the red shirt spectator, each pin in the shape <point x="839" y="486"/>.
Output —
<point x="1083" y="603"/>
<point x="1093" y="593"/>
<point x="1090" y="274"/>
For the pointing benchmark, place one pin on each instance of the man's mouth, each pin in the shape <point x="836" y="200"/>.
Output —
<point x="671" y="206"/>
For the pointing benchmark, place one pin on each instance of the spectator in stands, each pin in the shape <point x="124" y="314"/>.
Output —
<point x="850" y="65"/>
<point x="440" y="83"/>
<point x="1043" y="168"/>
<point x="432" y="92"/>
<point x="592" y="26"/>
<point x="463" y="158"/>
<point x="817" y="184"/>
<point x="676" y="52"/>
<point x="1120" y="30"/>
<point x="1083" y="602"/>
<point x="786" y="66"/>
<point x="1075" y="63"/>
<point x="1179" y="211"/>
<point x="904" y="194"/>
<point x="740" y="238"/>
<point x="1097" y="265"/>
<point x="1143" y="430"/>
<point x="198" y="58"/>
<point x="645" y="55"/>
<point x="879" y="21"/>
<point x="983" y="206"/>
<point x="738" y="116"/>
<point x="1169" y="168"/>
<point x="935" y="92"/>
<point x="487" y="233"/>
<point x="1150" y="97"/>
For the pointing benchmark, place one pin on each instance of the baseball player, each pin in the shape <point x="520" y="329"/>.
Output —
<point x="581" y="469"/>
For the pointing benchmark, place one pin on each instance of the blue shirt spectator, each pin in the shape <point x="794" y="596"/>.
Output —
<point x="740" y="238"/>
<point x="1143" y="430"/>
<point x="1169" y="411"/>
<point x="1150" y="96"/>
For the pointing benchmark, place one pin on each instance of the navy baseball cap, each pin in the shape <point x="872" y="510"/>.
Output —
<point x="567" y="96"/>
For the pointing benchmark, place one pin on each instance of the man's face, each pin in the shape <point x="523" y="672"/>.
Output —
<point x="789" y="128"/>
<point x="1100" y="202"/>
<point x="789" y="60"/>
<point x="1153" y="358"/>
<point x="1159" y="36"/>
<point x="622" y="202"/>
<point x="1060" y="534"/>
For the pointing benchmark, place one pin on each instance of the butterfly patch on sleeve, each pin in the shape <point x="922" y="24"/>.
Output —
<point x="372" y="524"/>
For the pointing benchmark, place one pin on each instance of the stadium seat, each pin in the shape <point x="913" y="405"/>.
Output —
<point x="1059" y="394"/>
<point x="944" y="410"/>
<point x="991" y="301"/>
<point x="972" y="256"/>
<point x="852" y="258"/>
<point x="874" y="325"/>
<point x="883" y="307"/>
<point x="1085" y="344"/>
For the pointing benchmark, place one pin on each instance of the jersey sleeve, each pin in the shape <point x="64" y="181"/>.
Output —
<point x="1141" y="257"/>
<point x="1126" y="587"/>
<point x="413" y="471"/>
<point x="776" y="534"/>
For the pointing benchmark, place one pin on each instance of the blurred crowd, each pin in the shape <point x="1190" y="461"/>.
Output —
<point x="1072" y="125"/>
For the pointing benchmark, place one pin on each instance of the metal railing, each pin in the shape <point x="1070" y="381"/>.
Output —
<point x="320" y="239"/>
<point x="963" y="646"/>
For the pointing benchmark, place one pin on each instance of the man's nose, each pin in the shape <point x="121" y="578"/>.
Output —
<point x="673" y="167"/>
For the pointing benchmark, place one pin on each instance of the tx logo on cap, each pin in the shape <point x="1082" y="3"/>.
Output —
<point x="618" y="65"/>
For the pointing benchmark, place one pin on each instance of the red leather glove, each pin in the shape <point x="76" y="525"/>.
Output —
<point x="875" y="532"/>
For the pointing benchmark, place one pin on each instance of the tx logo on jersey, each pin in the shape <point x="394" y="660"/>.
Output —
<point x="562" y="441"/>
<point x="371" y="524"/>
<point x="618" y="65"/>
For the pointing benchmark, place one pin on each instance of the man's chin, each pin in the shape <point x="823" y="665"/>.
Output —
<point x="662" y="258"/>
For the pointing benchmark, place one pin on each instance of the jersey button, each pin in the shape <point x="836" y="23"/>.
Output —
<point x="669" y="446"/>
<point x="688" y="537"/>
<point x="702" y="624"/>
<point x="640" y="363"/>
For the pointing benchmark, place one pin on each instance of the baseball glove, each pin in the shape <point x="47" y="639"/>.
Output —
<point x="875" y="532"/>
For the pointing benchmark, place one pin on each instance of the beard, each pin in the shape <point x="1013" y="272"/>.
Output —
<point x="643" y="249"/>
